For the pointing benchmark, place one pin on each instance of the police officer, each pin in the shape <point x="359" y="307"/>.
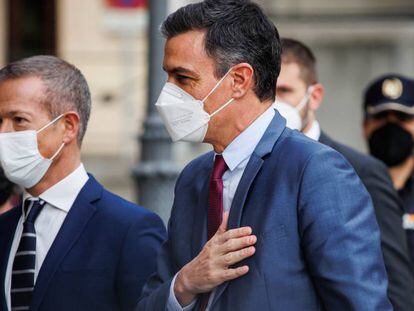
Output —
<point x="389" y="130"/>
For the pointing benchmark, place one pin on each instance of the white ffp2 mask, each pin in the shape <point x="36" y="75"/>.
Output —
<point x="291" y="113"/>
<point x="183" y="115"/>
<point x="20" y="157"/>
<point x="292" y="116"/>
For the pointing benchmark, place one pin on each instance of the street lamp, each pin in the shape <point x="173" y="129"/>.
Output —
<point x="156" y="173"/>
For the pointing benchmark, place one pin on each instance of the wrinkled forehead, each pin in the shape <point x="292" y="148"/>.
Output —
<point x="22" y="94"/>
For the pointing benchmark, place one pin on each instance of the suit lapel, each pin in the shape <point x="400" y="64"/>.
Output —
<point x="250" y="172"/>
<point x="72" y="228"/>
<point x="264" y="147"/>
<point x="8" y="225"/>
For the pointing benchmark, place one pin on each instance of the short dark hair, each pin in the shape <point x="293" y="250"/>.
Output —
<point x="237" y="31"/>
<point x="65" y="86"/>
<point x="294" y="51"/>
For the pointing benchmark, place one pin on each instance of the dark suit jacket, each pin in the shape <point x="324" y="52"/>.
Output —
<point x="389" y="211"/>
<point x="318" y="244"/>
<point x="407" y="196"/>
<point x="100" y="259"/>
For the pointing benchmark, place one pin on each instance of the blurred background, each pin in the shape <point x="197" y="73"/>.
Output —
<point x="116" y="45"/>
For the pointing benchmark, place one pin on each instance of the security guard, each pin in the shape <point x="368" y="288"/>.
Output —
<point x="299" y="95"/>
<point x="389" y="130"/>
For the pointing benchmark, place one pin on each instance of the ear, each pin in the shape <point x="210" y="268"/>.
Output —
<point x="316" y="96"/>
<point x="71" y="121"/>
<point x="243" y="76"/>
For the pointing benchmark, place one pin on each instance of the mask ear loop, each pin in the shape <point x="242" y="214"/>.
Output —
<point x="57" y="152"/>
<point x="302" y="104"/>
<point x="216" y="86"/>
<point x="50" y="123"/>
<point x="305" y="99"/>
<point x="44" y="127"/>
<point x="221" y="108"/>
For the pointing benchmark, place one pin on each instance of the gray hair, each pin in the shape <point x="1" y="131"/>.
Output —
<point x="66" y="88"/>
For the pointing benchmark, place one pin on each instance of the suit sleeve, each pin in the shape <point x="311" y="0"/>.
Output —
<point x="389" y="212"/>
<point x="157" y="289"/>
<point x="141" y="246"/>
<point x="340" y="236"/>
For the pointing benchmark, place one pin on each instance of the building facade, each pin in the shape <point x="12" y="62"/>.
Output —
<point x="354" y="41"/>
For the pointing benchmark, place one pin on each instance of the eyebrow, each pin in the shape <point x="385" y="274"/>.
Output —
<point x="15" y="112"/>
<point x="180" y="70"/>
<point x="284" y="87"/>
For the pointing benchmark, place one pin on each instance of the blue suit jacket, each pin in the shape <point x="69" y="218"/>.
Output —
<point x="318" y="241"/>
<point x="100" y="259"/>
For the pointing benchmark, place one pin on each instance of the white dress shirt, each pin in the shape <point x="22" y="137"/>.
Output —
<point x="236" y="156"/>
<point x="315" y="131"/>
<point x="59" y="199"/>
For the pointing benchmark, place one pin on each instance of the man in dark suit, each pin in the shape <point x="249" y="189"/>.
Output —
<point x="265" y="221"/>
<point x="298" y="85"/>
<point x="389" y="130"/>
<point x="9" y="197"/>
<point x="71" y="245"/>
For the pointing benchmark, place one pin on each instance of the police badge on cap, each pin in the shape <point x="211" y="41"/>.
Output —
<point x="392" y="88"/>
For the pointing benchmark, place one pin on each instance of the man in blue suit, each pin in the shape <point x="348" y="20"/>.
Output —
<point x="269" y="220"/>
<point x="72" y="245"/>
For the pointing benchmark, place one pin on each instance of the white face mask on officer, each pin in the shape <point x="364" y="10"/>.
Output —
<point x="183" y="115"/>
<point x="20" y="157"/>
<point x="291" y="113"/>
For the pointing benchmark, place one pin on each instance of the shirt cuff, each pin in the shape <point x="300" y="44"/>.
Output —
<point x="173" y="304"/>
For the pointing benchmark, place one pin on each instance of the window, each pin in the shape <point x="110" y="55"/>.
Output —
<point x="31" y="28"/>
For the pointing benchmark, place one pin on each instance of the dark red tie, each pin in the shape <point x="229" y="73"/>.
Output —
<point x="215" y="207"/>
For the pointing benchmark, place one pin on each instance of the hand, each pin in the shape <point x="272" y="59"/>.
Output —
<point x="211" y="267"/>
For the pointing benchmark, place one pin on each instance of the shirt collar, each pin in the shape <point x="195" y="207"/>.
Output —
<point x="315" y="131"/>
<point x="242" y="147"/>
<point x="64" y="193"/>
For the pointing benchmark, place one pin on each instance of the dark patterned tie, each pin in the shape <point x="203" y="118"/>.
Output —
<point x="23" y="274"/>
<point x="215" y="208"/>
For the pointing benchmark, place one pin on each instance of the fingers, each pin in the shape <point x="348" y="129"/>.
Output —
<point x="237" y="256"/>
<point x="231" y="274"/>
<point x="223" y="226"/>
<point x="235" y="233"/>
<point x="238" y="243"/>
